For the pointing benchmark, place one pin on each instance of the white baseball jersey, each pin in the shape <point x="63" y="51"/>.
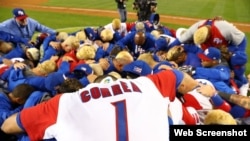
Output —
<point x="124" y="110"/>
<point x="123" y="30"/>
<point x="197" y="100"/>
<point x="222" y="33"/>
<point x="171" y="39"/>
<point x="182" y="115"/>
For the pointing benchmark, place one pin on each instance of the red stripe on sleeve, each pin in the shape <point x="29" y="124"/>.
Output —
<point x="165" y="81"/>
<point x="37" y="119"/>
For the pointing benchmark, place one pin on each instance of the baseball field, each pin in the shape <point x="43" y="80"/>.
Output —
<point x="74" y="14"/>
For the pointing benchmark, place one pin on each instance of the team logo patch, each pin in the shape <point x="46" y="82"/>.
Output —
<point x="137" y="69"/>
<point x="20" y="13"/>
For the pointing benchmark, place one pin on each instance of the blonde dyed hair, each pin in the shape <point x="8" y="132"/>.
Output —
<point x="62" y="35"/>
<point x="155" y="33"/>
<point x="72" y="41"/>
<point x="106" y="35"/>
<point x="147" y="57"/>
<point x="219" y="117"/>
<point x="47" y="67"/>
<point x="116" y="24"/>
<point x="201" y="35"/>
<point x="96" y="68"/>
<point x="174" y="52"/>
<point x="115" y="74"/>
<point x="124" y="55"/>
<point x="86" y="52"/>
<point x="139" y="26"/>
<point x="81" y="35"/>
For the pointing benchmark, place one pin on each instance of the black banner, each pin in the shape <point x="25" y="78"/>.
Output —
<point x="178" y="132"/>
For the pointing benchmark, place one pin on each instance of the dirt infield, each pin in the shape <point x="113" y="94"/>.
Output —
<point x="36" y="5"/>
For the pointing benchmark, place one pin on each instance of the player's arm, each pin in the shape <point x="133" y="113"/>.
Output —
<point x="243" y="101"/>
<point x="10" y="125"/>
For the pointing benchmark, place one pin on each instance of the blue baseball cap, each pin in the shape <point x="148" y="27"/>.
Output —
<point x="90" y="33"/>
<point x="161" y="44"/>
<point x="210" y="54"/>
<point x="238" y="58"/>
<point x="138" y="67"/>
<point x="82" y="70"/>
<point x="53" y="80"/>
<point x="154" y="18"/>
<point x="19" y="13"/>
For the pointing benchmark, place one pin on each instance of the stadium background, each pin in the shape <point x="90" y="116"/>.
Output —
<point x="72" y="15"/>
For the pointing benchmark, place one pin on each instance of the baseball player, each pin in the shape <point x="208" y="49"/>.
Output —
<point x="117" y="26"/>
<point x="241" y="109"/>
<point x="13" y="102"/>
<point x="138" y="43"/>
<point x="125" y="109"/>
<point x="182" y="56"/>
<point x="214" y="33"/>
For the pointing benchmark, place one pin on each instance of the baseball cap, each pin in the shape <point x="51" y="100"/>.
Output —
<point x="82" y="70"/>
<point x="19" y="13"/>
<point x="54" y="79"/>
<point x="238" y="58"/>
<point x="210" y="54"/>
<point x="90" y="33"/>
<point x="200" y="35"/>
<point x="138" y="67"/>
<point x="161" y="44"/>
<point x="154" y="18"/>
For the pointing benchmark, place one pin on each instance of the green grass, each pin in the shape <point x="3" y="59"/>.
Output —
<point x="59" y="20"/>
<point x="232" y="10"/>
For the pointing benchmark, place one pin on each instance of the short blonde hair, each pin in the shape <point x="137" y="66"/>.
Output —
<point x="201" y="35"/>
<point x="96" y="68"/>
<point x="47" y="66"/>
<point x="155" y="33"/>
<point x="115" y="74"/>
<point x="116" y="24"/>
<point x="81" y="35"/>
<point x="124" y="55"/>
<point x="86" y="52"/>
<point x="139" y="26"/>
<point x="62" y="36"/>
<point x="106" y="35"/>
<point x="123" y="58"/>
<point x="147" y="57"/>
<point x="174" y="52"/>
<point x="219" y="117"/>
<point x="34" y="53"/>
<point x="72" y="41"/>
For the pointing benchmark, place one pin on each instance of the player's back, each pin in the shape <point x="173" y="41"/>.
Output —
<point x="123" y="110"/>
